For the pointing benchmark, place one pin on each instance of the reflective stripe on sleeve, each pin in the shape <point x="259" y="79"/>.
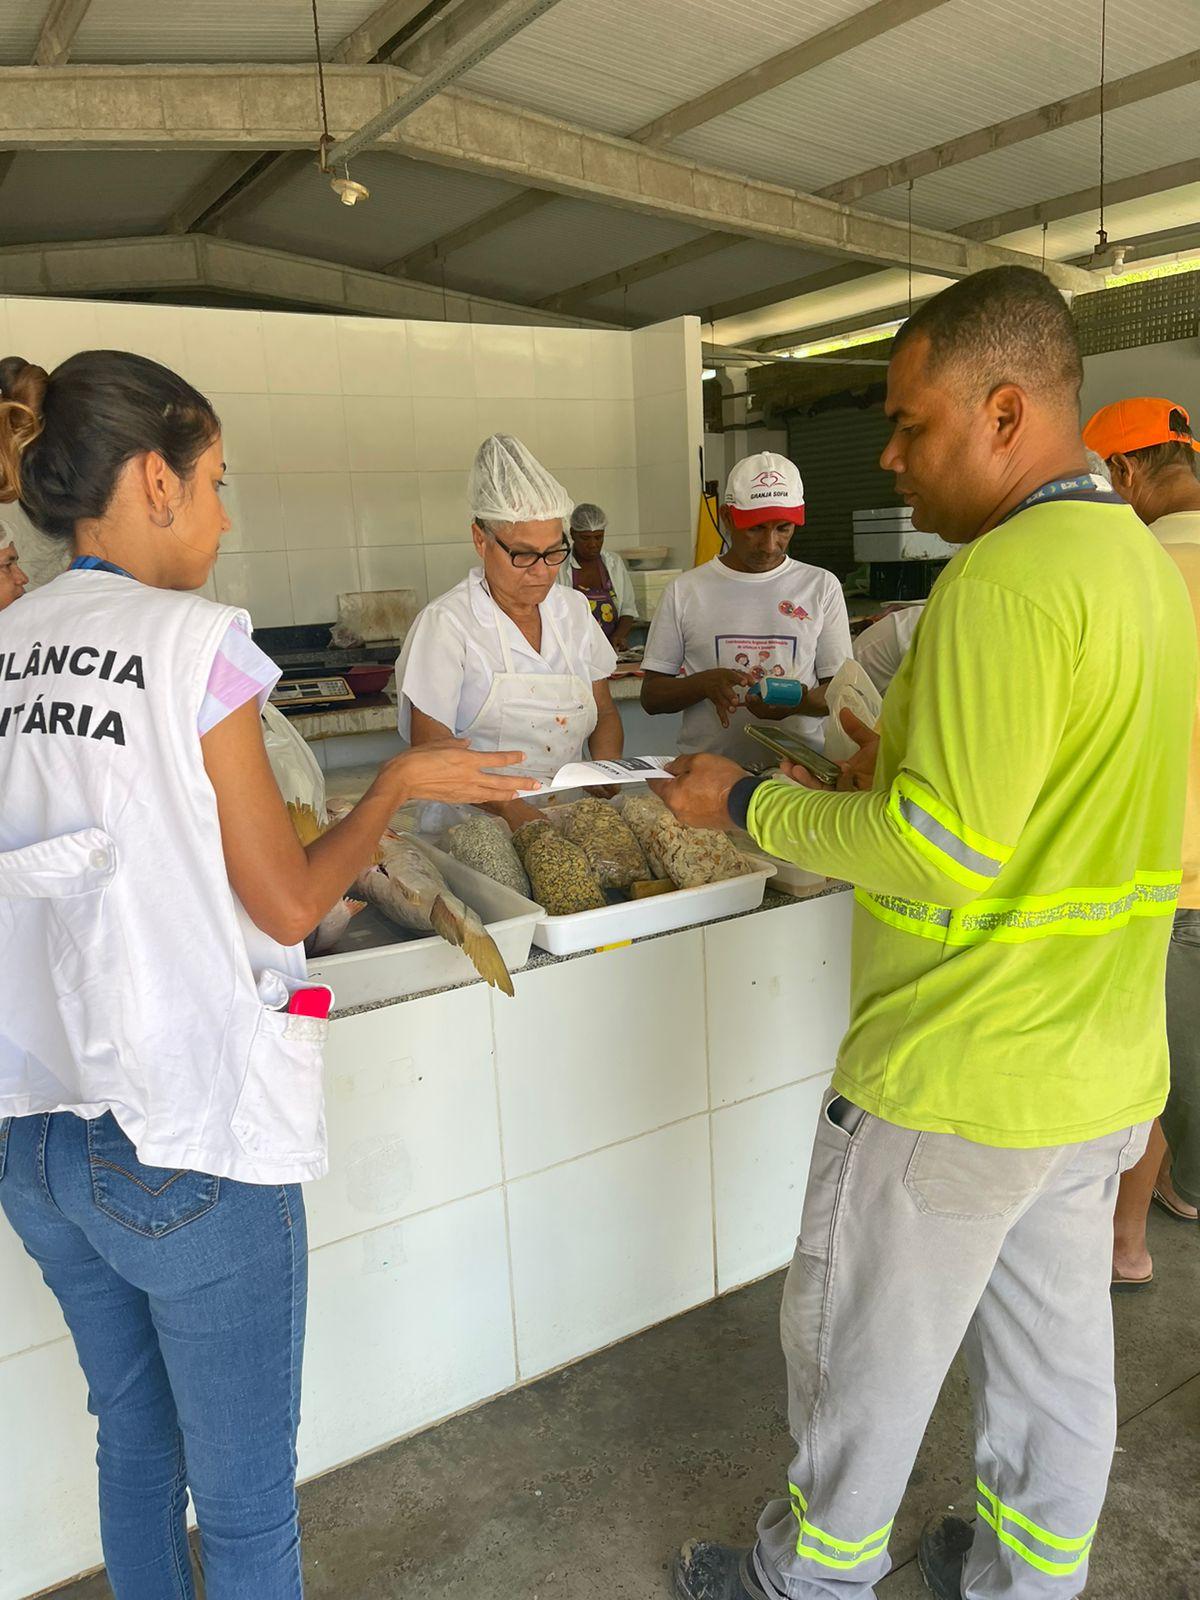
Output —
<point x="968" y="857"/>
<point x="1018" y="1533"/>
<point x="1087" y="912"/>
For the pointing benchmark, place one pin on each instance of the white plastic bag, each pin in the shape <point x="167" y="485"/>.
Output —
<point x="297" y="771"/>
<point x="850" y="689"/>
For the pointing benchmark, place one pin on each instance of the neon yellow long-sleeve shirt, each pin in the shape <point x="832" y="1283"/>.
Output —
<point x="1018" y="860"/>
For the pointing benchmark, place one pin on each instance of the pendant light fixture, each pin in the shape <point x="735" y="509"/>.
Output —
<point x="347" y="190"/>
<point x="1104" y="257"/>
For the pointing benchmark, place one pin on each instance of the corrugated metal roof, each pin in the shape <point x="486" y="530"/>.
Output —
<point x="212" y="30"/>
<point x="928" y="82"/>
<point x="1138" y="138"/>
<point x="53" y="194"/>
<point x="20" y="25"/>
<point x="618" y="64"/>
<point x="410" y="204"/>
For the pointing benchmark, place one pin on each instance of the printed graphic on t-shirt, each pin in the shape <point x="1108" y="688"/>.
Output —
<point x="761" y="655"/>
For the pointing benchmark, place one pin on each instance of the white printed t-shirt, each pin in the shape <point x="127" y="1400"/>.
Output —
<point x="790" y="622"/>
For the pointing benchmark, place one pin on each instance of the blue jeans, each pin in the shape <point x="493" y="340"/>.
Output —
<point x="185" y="1296"/>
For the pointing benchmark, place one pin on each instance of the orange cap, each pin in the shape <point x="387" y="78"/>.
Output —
<point x="1138" y="425"/>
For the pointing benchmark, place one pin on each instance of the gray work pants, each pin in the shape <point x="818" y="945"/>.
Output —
<point x="1181" y="1118"/>
<point x="911" y="1245"/>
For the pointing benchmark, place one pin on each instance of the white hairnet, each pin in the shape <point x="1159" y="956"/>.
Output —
<point x="589" y="518"/>
<point x="509" y="484"/>
<point x="1098" y="465"/>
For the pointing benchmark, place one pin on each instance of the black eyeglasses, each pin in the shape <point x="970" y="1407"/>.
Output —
<point x="524" y="559"/>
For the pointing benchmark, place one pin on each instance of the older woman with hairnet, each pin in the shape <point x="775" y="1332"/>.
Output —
<point x="509" y="658"/>
<point x="600" y="575"/>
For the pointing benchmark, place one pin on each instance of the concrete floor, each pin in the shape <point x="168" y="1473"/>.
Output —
<point x="579" y="1487"/>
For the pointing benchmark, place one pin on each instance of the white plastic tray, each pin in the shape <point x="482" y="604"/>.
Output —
<point x="658" y="913"/>
<point x="788" y="875"/>
<point x="376" y="960"/>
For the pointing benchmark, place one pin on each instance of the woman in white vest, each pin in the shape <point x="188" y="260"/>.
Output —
<point x="509" y="657"/>
<point x="160" y="1057"/>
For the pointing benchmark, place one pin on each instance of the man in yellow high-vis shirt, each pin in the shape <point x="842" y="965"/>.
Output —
<point x="1017" y="863"/>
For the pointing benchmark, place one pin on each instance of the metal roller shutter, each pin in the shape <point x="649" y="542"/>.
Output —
<point x="838" y="456"/>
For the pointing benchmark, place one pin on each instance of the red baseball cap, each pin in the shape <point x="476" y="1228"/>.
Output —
<point x="1138" y="425"/>
<point x="764" y="488"/>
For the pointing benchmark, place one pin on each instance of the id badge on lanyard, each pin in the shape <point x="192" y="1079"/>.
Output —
<point x="1088" y="487"/>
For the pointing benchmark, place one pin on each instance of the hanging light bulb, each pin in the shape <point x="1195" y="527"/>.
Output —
<point x="347" y="191"/>
<point x="1104" y="257"/>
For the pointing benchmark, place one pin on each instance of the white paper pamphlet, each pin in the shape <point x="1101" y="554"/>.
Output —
<point x="596" y="774"/>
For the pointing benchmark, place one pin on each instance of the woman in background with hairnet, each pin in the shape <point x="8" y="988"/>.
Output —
<point x="509" y="658"/>
<point x="600" y="575"/>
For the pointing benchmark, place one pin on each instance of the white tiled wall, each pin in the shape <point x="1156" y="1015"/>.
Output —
<point x="348" y="439"/>
<point x="514" y="1183"/>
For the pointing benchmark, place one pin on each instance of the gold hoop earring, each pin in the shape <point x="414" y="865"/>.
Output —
<point x="168" y="523"/>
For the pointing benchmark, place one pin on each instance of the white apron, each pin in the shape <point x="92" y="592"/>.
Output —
<point x="133" y="980"/>
<point x="548" y="715"/>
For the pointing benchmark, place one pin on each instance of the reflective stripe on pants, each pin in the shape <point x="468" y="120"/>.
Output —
<point x="911" y="1246"/>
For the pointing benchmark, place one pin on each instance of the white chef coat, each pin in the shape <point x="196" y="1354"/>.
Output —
<point x="618" y="573"/>
<point x="134" y="981"/>
<point x="790" y="622"/>
<point x="456" y="647"/>
<point x="881" y="648"/>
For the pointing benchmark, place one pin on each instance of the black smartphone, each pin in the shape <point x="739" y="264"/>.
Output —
<point x="782" y="743"/>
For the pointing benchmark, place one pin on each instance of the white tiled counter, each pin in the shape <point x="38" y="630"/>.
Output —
<point x="514" y="1184"/>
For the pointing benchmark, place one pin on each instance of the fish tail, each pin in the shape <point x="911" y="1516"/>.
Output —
<point x="447" y="923"/>
<point x="476" y="944"/>
<point x="305" y="821"/>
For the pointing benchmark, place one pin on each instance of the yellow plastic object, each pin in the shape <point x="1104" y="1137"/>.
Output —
<point x="708" y="530"/>
<point x="648" y="886"/>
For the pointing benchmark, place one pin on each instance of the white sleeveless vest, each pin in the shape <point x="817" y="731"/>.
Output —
<point x="132" y="979"/>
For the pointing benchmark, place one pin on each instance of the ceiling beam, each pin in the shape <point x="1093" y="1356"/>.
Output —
<point x="422" y="53"/>
<point x="60" y="25"/>
<point x="503" y="22"/>
<point x="225" y="183"/>
<point x="1118" y="190"/>
<point x="244" y="108"/>
<point x="187" y="262"/>
<point x="708" y="244"/>
<point x="279" y="170"/>
<point x="774" y="294"/>
<point x="825" y="46"/>
<point x="1175" y="74"/>
<point x="214" y="187"/>
<point x="380" y="28"/>
<point x="1115" y="192"/>
<point x="419" y="262"/>
<point x="789" y="64"/>
<point x="837" y="327"/>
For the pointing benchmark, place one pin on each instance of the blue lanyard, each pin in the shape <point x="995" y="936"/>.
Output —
<point x="96" y="564"/>
<point x="1086" y="487"/>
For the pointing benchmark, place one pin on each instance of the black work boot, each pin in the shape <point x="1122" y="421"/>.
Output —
<point x="704" y="1571"/>
<point x="942" y="1555"/>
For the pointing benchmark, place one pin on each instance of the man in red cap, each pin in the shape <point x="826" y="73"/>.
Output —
<point x="750" y="615"/>
<point x="1155" y="461"/>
